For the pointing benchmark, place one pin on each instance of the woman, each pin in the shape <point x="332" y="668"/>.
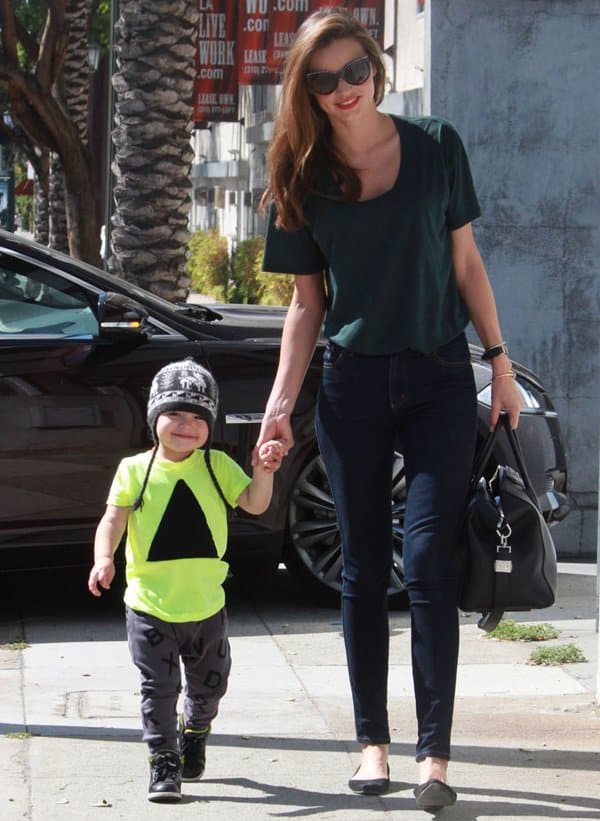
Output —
<point x="372" y="214"/>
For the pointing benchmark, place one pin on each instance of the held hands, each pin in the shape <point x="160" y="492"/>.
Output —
<point x="269" y="457"/>
<point x="275" y="426"/>
<point x="102" y="573"/>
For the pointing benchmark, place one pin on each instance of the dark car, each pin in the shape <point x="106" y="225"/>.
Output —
<point x="78" y="349"/>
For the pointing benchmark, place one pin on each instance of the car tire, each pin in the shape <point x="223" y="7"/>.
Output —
<point x="312" y="552"/>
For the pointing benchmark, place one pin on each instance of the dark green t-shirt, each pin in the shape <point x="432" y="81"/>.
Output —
<point x="388" y="260"/>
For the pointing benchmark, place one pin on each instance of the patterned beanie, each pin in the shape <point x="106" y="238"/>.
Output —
<point x="183" y="386"/>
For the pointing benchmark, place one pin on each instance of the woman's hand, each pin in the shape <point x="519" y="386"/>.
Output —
<point x="505" y="397"/>
<point x="274" y="426"/>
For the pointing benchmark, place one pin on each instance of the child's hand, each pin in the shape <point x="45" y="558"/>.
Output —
<point x="270" y="455"/>
<point x="102" y="573"/>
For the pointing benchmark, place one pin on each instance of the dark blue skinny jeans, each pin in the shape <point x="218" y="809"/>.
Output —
<point x="426" y="405"/>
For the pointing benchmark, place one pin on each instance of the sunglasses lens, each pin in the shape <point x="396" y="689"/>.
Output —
<point x="357" y="72"/>
<point x="322" y="82"/>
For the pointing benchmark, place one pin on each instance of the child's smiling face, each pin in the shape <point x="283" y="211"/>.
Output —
<point x="179" y="433"/>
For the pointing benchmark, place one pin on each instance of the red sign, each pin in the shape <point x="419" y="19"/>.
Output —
<point x="216" y="89"/>
<point x="266" y="29"/>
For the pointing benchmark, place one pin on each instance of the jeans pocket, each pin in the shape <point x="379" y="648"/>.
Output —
<point x="332" y="355"/>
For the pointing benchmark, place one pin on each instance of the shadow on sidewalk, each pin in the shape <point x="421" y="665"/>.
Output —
<point x="472" y="803"/>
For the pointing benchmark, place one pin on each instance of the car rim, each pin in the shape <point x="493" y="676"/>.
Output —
<point x="315" y="537"/>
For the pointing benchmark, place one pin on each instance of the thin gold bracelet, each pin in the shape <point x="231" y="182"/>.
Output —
<point x="508" y="373"/>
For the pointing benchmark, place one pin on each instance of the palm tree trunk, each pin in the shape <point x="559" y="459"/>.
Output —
<point x="58" y="238"/>
<point x="40" y="213"/>
<point x="154" y="85"/>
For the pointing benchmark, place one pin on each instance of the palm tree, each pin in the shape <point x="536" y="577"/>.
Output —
<point x="73" y="89"/>
<point x="154" y="84"/>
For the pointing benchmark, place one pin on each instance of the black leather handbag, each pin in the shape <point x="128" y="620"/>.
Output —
<point x="508" y="556"/>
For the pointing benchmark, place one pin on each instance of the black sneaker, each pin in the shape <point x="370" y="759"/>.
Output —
<point x="165" y="776"/>
<point x="192" y="746"/>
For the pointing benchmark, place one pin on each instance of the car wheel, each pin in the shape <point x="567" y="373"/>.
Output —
<point x="313" y="548"/>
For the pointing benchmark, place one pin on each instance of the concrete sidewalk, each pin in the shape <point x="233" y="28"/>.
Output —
<point x="526" y="739"/>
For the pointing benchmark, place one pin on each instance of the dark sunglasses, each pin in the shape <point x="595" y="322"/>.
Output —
<point x="356" y="72"/>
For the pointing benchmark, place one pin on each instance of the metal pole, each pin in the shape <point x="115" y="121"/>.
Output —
<point x="598" y="596"/>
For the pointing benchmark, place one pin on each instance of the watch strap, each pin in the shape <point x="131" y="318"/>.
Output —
<point x="495" y="350"/>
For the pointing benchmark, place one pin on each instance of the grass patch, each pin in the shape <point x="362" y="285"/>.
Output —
<point x="16" y="644"/>
<point x="509" y="630"/>
<point x="21" y="734"/>
<point x="559" y="654"/>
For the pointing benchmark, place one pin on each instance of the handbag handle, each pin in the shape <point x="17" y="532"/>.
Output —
<point x="515" y="445"/>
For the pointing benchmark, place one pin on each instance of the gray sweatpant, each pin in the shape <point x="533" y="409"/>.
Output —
<point x="156" y="648"/>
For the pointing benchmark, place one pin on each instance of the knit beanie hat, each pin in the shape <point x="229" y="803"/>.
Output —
<point x="184" y="386"/>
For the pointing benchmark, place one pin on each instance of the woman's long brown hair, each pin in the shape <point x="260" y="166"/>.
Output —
<point x="301" y="148"/>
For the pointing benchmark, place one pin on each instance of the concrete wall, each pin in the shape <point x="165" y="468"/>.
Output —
<point x="520" y="80"/>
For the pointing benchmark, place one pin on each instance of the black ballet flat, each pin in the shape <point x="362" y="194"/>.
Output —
<point x="370" y="786"/>
<point x="434" y="795"/>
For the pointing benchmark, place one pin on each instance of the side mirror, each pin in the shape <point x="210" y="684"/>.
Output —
<point x="119" y="316"/>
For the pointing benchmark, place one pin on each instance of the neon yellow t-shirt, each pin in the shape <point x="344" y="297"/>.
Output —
<point x="176" y="541"/>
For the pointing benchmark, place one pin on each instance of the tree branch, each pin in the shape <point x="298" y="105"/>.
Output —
<point x="53" y="46"/>
<point x="9" y="35"/>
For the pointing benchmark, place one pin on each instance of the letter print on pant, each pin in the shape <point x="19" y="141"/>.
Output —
<point x="204" y="650"/>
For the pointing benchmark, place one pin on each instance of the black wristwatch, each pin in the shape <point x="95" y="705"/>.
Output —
<point x="495" y="350"/>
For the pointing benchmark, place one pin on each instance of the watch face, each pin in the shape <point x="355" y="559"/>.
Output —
<point x="495" y="350"/>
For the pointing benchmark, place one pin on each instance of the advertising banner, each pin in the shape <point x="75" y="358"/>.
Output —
<point x="216" y="89"/>
<point x="266" y="29"/>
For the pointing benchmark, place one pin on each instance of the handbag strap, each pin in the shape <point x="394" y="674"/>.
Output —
<point x="487" y="450"/>
<point x="484" y="455"/>
<point x="490" y="619"/>
<point x="515" y="445"/>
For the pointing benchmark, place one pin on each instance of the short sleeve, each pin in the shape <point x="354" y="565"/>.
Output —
<point x="233" y="480"/>
<point x="463" y="205"/>
<point x="290" y="252"/>
<point x="120" y="493"/>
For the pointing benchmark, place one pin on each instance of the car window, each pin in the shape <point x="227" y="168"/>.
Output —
<point x="36" y="301"/>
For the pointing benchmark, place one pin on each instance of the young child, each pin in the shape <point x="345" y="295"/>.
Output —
<point x="173" y="503"/>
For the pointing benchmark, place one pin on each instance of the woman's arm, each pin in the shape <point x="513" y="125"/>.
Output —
<point x="475" y="289"/>
<point x="298" y="340"/>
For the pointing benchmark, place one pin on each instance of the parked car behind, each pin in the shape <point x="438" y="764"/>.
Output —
<point x="78" y="349"/>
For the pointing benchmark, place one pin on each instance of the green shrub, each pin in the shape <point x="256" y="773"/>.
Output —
<point x="559" y="654"/>
<point x="512" y="631"/>
<point x="239" y="279"/>
<point x="208" y="264"/>
<point x="243" y="271"/>
<point x="272" y="289"/>
<point x="24" y="207"/>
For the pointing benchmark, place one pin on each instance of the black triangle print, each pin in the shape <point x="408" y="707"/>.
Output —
<point x="183" y="532"/>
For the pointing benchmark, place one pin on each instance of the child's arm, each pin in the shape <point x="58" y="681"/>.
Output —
<point x="257" y="496"/>
<point x="108" y="535"/>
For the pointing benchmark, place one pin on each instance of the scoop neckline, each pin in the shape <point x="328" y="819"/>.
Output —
<point x="398" y="124"/>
